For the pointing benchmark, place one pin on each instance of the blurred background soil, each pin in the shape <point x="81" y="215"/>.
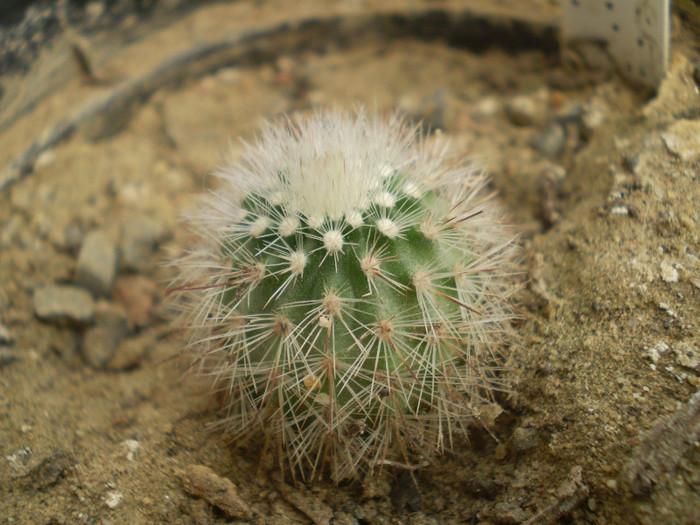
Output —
<point x="98" y="422"/>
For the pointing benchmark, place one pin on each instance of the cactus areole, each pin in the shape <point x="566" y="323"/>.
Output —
<point x="349" y="295"/>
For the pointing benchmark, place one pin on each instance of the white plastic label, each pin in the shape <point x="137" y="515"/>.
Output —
<point x="634" y="33"/>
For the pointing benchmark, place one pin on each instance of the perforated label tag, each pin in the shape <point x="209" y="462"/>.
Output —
<point x="633" y="33"/>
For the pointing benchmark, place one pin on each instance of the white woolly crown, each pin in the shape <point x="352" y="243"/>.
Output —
<point x="329" y="166"/>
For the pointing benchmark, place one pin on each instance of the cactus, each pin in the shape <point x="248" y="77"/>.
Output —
<point x="349" y="295"/>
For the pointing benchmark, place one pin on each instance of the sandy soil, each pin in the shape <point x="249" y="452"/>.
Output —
<point x="97" y="423"/>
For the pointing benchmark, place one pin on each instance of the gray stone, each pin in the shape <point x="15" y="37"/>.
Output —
<point x="101" y="342"/>
<point x="524" y="438"/>
<point x="63" y="303"/>
<point x="551" y="141"/>
<point x="97" y="263"/>
<point x="140" y="237"/>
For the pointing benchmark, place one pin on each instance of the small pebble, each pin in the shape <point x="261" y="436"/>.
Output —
<point x="687" y="355"/>
<point x="522" y="111"/>
<point x="140" y="237"/>
<point x="551" y="141"/>
<point x="203" y="482"/>
<point x="45" y="159"/>
<point x="129" y="353"/>
<point x="669" y="274"/>
<point x="136" y="294"/>
<point x="557" y="99"/>
<point x="596" y="113"/>
<point x="655" y="351"/>
<point x="10" y="229"/>
<point x="22" y="197"/>
<point x="309" y="503"/>
<point x="619" y="210"/>
<point x="489" y="413"/>
<point x="71" y="237"/>
<point x="508" y="513"/>
<point x="131" y="446"/>
<point x="94" y="9"/>
<point x="63" y="302"/>
<point x="377" y="487"/>
<point x="7" y="357"/>
<point x="524" y="438"/>
<point x="682" y="139"/>
<point x="19" y="459"/>
<point x="229" y="75"/>
<point x="113" y="499"/>
<point x="486" y="107"/>
<point x="48" y="472"/>
<point x="100" y="343"/>
<point x="6" y="337"/>
<point x="97" y="263"/>
<point x="500" y="452"/>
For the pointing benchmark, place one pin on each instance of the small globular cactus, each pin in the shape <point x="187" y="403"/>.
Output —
<point x="349" y="295"/>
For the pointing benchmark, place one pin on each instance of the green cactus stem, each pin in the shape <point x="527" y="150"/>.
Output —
<point x="350" y="292"/>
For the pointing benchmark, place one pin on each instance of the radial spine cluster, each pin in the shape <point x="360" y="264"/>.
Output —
<point x="350" y="292"/>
